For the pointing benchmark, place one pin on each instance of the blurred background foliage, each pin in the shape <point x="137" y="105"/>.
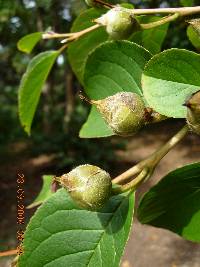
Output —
<point x="60" y="113"/>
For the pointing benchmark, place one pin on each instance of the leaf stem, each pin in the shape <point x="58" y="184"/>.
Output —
<point x="152" y="161"/>
<point x="62" y="48"/>
<point x="159" y="22"/>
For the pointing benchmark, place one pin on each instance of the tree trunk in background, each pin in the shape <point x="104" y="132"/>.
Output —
<point x="46" y="108"/>
<point x="69" y="106"/>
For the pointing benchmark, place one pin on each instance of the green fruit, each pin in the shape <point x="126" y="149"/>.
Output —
<point x="120" y="23"/>
<point x="193" y="112"/>
<point x="88" y="185"/>
<point x="124" y="112"/>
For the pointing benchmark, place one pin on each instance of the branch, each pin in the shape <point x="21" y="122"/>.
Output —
<point x="69" y="36"/>
<point x="104" y="3"/>
<point x="179" y="11"/>
<point x="182" y="11"/>
<point x="8" y="252"/>
<point x="134" y="183"/>
<point x="152" y="161"/>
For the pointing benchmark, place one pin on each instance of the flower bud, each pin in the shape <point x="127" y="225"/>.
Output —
<point x="120" y="23"/>
<point x="124" y="112"/>
<point x="88" y="185"/>
<point x="193" y="112"/>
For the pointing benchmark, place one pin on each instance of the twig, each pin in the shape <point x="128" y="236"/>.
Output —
<point x="153" y="159"/>
<point x="69" y="36"/>
<point x="54" y="35"/>
<point x="176" y="12"/>
<point x="103" y="3"/>
<point x="8" y="253"/>
<point x="77" y="35"/>
<point x="134" y="183"/>
<point x="183" y="11"/>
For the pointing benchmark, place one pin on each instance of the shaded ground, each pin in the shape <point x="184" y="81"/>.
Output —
<point x="147" y="246"/>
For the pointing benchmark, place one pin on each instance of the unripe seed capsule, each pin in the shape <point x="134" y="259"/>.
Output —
<point x="120" y="23"/>
<point x="124" y="112"/>
<point x="195" y="23"/>
<point x="88" y="185"/>
<point x="193" y="112"/>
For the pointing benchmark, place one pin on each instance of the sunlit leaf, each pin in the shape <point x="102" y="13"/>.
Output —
<point x="61" y="234"/>
<point x="28" y="42"/>
<point x="31" y="86"/>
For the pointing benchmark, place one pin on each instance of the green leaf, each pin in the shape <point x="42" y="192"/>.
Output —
<point x="61" y="234"/>
<point x="94" y="122"/>
<point x="151" y="39"/>
<point x="113" y="67"/>
<point x="45" y="192"/>
<point x="78" y="51"/>
<point x="195" y="23"/>
<point x="28" y="42"/>
<point x="127" y="5"/>
<point x="31" y="86"/>
<point x="169" y="79"/>
<point x="194" y="37"/>
<point x="187" y="2"/>
<point x="174" y="203"/>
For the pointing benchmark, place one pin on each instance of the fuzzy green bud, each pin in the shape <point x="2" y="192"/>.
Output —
<point x="193" y="112"/>
<point x="120" y="23"/>
<point x="124" y="112"/>
<point x="88" y="185"/>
